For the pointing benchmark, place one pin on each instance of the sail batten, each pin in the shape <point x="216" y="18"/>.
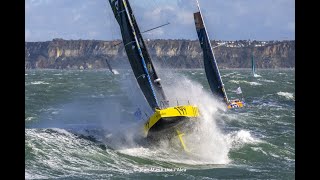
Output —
<point x="137" y="53"/>
<point x="210" y="64"/>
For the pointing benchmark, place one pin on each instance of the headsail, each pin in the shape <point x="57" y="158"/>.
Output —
<point x="137" y="53"/>
<point x="210" y="64"/>
<point x="238" y="90"/>
<point x="109" y="66"/>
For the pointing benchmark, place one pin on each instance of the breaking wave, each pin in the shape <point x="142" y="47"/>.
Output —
<point x="287" y="95"/>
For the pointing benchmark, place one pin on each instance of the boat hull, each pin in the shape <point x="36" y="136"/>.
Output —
<point x="236" y="104"/>
<point x="165" y="123"/>
<point x="167" y="128"/>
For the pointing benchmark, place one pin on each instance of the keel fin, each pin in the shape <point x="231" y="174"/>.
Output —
<point x="181" y="141"/>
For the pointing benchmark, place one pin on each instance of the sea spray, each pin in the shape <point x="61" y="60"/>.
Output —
<point x="205" y="141"/>
<point x="207" y="144"/>
<point x="239" y="138"/>
<point x="129" y="132"/>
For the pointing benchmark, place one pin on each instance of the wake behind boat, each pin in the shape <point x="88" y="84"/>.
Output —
<point x="165" y="119"/>
<point x="210" y="64"/>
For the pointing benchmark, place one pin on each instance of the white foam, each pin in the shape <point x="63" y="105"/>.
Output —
<point x="29" y="118"/>
<point x="247" y="82"/>
<point x="254" y="83"/>
<point x="39" y="82"/>
<point x="66" y="153"/>
<point x="259" y="149"/>
<point x="229" y="74"/>
<point x="256" y="170"/>
<point x="266" y="80"/>
<point x="286" y="95"/>
<point x="206" y="147"/>
<point x="274" y="155"/>
<point x="30" y="175"/>
<point x="289" y="159"/>
<point x="234" y="81"/>
<point x="240" y="138"/>
<point x="139" y="151"/>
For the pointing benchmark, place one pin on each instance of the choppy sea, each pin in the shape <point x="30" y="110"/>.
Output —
<point x="80" y="125"/>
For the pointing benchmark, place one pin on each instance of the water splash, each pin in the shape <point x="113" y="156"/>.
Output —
<point x="207" y="144"/>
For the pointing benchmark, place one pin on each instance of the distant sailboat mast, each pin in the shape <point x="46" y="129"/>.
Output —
<point x="253" y="65"/>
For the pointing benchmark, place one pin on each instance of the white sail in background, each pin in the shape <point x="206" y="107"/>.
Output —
<point x="238" y="91"/>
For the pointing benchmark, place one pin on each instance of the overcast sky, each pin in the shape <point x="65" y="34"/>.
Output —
<point x="225" y="19"/>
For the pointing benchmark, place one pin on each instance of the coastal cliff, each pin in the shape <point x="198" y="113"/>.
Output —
<point x="91" y="54"/>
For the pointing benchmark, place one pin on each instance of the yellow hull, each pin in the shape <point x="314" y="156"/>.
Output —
<point x="167" y="118"/>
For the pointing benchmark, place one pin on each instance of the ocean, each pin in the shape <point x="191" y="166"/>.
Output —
<point x="80" y="124"/>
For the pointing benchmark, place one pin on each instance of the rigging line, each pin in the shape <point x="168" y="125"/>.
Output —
<point x="156" y="27"/>
<point x="128" y="43"/>
<point x="117" y="44"/>
<point x="147" y="31"/>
